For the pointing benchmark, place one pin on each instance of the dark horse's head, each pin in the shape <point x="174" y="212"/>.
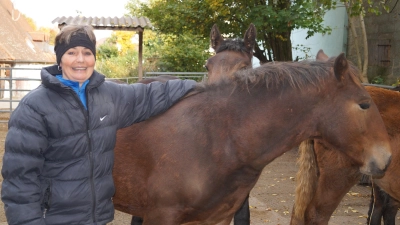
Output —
<point x="231" y="55"/>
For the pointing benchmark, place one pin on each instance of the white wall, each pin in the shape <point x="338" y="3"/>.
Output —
<point x="332" y="44"/>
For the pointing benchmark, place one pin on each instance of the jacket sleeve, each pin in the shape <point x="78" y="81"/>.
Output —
<point x="22" y="164"/>
<point x="141" y="101"/>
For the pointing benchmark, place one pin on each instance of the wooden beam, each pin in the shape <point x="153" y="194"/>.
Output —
<point x="140" y="69"/>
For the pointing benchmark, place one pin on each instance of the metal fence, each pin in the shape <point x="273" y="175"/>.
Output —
<point x="17" y="82"/>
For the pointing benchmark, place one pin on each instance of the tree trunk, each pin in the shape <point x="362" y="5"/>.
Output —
<point x="365" y="43"/>
<point x="282" y="47"/>
<point x="362" y="65"/>
<point x="259" y="54"/>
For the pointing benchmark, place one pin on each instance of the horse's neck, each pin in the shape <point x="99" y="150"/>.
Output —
<point x="274" y="123"/>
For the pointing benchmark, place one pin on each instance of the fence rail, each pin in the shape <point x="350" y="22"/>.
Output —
<point x="17" y="82"/>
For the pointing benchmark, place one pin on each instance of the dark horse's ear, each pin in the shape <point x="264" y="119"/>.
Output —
<point x="250" y="38"/>
<point x="321" y="56"/>
<point x="340" y="67"/>
<point x="215" y="37"/>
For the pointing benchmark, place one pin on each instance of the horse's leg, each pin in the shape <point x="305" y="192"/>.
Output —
<point x="225" y="222"/>
<point x="382" y="205"/>
<point x="390" y="212"/>
<point x="242" y="216"/>
<point x="375" y="206"/>
<point x="389" y="215"/>
<point x="161" y="216"/>
<point x="136" y="220"/>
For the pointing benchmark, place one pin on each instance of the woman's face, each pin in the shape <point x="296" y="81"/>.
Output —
<point x="77" y="64"/>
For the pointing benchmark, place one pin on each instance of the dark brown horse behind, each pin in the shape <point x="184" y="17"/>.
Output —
<point x="212" y="146"/>
<point x="337" y="172"/>
<point x="231" y="55"/>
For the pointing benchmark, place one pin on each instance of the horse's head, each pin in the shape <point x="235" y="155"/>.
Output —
<point x="230" y="54"/>
<point x="366" y="140"/>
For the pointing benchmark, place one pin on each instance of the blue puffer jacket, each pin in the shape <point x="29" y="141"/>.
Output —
<point x="58" y="160"/>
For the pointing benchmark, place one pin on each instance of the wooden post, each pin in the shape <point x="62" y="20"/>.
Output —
<point x="140" y="69"/>
<point x="2" y="75"/>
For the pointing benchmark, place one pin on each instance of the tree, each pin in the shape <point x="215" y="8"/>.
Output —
<point x="52" y="33"/>
<point x="183" y="53"/>
<point x="117" y="56"/>
<point x="31" y="22"/>
<point x="274" y="20"/>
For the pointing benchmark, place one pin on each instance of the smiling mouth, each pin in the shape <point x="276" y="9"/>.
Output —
<point x="79" y="68"/>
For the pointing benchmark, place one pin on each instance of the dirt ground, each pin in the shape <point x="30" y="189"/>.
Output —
<point x="272" y="198"/>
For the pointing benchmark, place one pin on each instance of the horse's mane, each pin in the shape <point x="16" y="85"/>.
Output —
<point x="236" y="44"/>
<point x="282" y="74"/>
<point x="296" y="75"/>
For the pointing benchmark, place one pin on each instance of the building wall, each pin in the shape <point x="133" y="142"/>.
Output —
<point x="383" y="36"/>
<point x="332" y="44"/>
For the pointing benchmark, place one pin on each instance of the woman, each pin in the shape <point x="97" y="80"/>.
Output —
<point x="58" y="160"/>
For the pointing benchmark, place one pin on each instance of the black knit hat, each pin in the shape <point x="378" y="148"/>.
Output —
<point x="77" y="39"/>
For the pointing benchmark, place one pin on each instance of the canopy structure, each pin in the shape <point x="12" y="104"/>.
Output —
<point x="125" y="23"/>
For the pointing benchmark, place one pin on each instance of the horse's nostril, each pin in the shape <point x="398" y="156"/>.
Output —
<point x="377" y="171"/>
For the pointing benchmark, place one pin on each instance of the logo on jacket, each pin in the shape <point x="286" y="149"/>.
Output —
<point x="102" y="118"/>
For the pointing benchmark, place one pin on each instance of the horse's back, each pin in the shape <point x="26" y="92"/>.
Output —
<point x="388" y="103"/>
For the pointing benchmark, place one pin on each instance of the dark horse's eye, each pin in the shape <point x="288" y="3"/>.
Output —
<point x="364" y="105"/>
<point x="205" y="67"/>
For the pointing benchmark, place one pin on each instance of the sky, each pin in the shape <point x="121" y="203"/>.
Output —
<point x="43" y="12"/>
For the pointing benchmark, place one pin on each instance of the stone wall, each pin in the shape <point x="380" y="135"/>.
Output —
<point x="383" y="34"/>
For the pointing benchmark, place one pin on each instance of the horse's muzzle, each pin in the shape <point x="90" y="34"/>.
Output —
<point x="374" y="169"/>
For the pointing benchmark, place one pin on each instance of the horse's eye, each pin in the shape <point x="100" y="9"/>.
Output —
<point x="247" y="67"/>
<point x="364" y="105"/>
<point x="205" y="67"/>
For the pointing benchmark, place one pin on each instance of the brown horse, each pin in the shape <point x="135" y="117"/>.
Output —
<point x="336" y="172"/>
<point x="212" y="146"/>
<point x="230" y="56"/>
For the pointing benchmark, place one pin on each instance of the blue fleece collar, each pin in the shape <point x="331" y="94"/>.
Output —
<point x="80" y="91"/>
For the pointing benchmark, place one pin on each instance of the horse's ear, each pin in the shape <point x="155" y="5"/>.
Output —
<point x="321" y="56"/>
<point x="340" y="67"/>
<point x="250" y="38"/>
<point x="215" y="37"/>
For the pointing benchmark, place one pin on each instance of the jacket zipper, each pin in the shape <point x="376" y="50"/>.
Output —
<point x="89" y="135"/>
<point x="46" y="200"/>
<point x="91" y="178"/>
<point x="91" y="158"/>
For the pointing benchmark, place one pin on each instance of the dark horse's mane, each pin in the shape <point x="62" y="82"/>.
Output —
<point x="236" y="45"/>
